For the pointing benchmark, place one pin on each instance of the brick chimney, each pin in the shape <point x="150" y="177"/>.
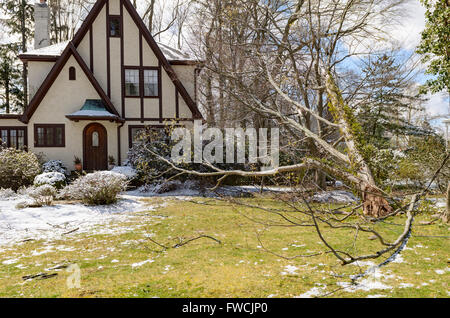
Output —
<point x="41" y="24"/>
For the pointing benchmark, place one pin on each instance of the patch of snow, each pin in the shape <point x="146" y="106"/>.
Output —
<point x="10" y="261"/>
<point x="56" y="50"/>
<point x="115" y="261"/>
<point x="51" y="50"/>
<point x="365" y="285"/>
<point x="127" y="171"/>
<point x="142" y="263"/>
<point x="290" y="270"/>
<point x="375" y="296"/>
<point x="93" y="113"/>
<point x="398" y="259"/>
<point x="442" y="271"/>
<point x="315" y="291"/>
<point x="336" y="196"/>
<point x="406" y="285"/>
<point x="372" y="281"/>
<point x="51" y="222"/>
<point x="363" y="263"/>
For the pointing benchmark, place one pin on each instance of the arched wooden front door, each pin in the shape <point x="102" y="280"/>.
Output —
<point x="95" y="147"/>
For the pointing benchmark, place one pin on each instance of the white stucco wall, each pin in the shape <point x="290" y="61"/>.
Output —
<point x="37" y="72"/>
<point x="66" y="97"/>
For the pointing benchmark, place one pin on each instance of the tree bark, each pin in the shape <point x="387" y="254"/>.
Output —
<point x="374" y="204"/>
<point x="446" y="216"/>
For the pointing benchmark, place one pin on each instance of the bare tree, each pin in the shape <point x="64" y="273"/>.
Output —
<point x="287" y="61"/>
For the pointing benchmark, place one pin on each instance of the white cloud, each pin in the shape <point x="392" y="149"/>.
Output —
<point x="407" y="32"/>
<point x="438" y="105"/>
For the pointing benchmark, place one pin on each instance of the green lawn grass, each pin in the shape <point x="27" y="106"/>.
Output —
<point x="238" y="267"/>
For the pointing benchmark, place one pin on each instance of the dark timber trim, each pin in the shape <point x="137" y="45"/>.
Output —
<point x="108" y="55"/>
<point x="141" y="75"/>
<point x="60" y="62"/>
<point x="163" y="63"/>
<point x="38" y="58"/>
<point x="91" y="50"/>
<point x="122" y="70"/>
<point x="160" y="93"/>
<point x="77" y="118"/>
<point x="10" y="116"/>
<point x="177" y="105"/>
<point x="51" y="77"/>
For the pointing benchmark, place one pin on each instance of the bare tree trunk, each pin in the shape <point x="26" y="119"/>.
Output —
<point x="374" y="204"/>
<point x="446" y="216"/>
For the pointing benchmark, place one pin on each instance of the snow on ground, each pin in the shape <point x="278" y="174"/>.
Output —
<point x="51" y="222"/>
<point x="313" y="292"/>
<point x="192" y="189"/>
<point x="336" y="196"/>
<point x="290" y="270"/>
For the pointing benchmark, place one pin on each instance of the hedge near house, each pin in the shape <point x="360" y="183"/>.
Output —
<point x="17" y="168"/>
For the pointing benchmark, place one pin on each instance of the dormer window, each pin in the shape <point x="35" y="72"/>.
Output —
<point x="72" y="73"/>
<point x="114" y="26"/>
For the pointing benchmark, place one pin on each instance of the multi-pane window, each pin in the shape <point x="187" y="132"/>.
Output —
<point x="114" y="26"/>
<point x="141" y="82"/>
<point x="135" y="132"/>
<point x="49" y="135"/>
<point x="132" y="82"/>
<point x="14" y="137"/>
<point x="150" y="83"/>
<point x="149" y="133"/>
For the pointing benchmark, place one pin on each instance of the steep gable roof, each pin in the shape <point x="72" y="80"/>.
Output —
<point x="162" y="59"/>
<point x="71" y="49"/>
<point x="51" y="77"/>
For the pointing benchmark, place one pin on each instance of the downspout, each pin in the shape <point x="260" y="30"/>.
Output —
<point x="119" y="153"/>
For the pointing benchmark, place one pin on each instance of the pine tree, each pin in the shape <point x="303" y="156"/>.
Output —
<point x="10" y="79"/>
<point x="385" y="103"/>
<point x="20" y="22"/>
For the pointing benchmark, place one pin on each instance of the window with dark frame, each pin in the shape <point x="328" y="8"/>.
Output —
<point x="141" y="82"/>
<point x="132" y="83"/>
<point x="13" y="137"/>
<point x="134" y="134"/>
<point x="151" y="83"/>
<point x="72" y="74"/>
<point x="114" y="26"/>
<point x="49" y="135"/>
<point x="153" y="132"/>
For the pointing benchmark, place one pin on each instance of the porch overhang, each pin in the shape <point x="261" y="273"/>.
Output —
<point x="94" y="109"/>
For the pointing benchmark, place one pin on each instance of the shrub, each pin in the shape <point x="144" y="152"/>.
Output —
<point x="42" y="195"/>
<point x="7" y="194"/>
<point x="152" y="170"/>
<point x="129" y="172"/>
<point x="54" y="166"/>
<point x="55" y="179"/>
<point x="17" y="168"/>
<point x="97" y="188"/>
